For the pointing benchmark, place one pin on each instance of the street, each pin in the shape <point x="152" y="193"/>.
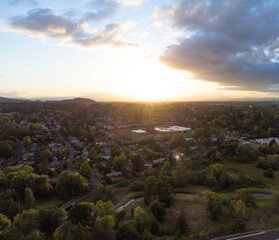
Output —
<point x="256" y="235"/>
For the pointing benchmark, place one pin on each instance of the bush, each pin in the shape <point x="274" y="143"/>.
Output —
<point x="268" y="173"/>
<point x="137" y="186"/>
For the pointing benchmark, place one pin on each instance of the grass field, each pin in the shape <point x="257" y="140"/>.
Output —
<point x="270" y="184"/>
<point x="47" y="203"/>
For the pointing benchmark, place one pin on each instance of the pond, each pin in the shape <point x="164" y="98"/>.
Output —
<point x="258" y="194"/>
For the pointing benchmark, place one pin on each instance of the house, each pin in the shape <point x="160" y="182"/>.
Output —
<point x="254" y="145"/>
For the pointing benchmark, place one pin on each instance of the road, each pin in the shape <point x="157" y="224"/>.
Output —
<point x="19" y="152"/>
<point x="71" y="156"/>
<point x="256" y="235"/>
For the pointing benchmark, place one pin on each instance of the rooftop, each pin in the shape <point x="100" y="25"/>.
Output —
<point x="172" y="129"/>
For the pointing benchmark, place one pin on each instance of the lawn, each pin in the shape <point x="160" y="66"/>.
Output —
<point x="270" y="184"/>
<point x="47" y="203"/>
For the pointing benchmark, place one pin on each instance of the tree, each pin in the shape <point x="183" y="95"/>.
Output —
<point x="219" y="156"/>
<point x="105" y="225"/>
<point x="118" y="162"/>
<point x="158" y="210"/>
<point x="247" y="197"/>
<point x="136" y="161"/>
<point x="181" y="224"/>
<point x="104" y="208"/>
<point x="4" y="222"/>
<point x="213" y="204"/>
<point x="83" y="213"/>
<point x="27" y="222"/>
<point x="127" y="232"/>
<point x="177" y="140"/>
<point x="50" y="219"/>
<point x="85" y="170"/>
<point x="180" y="177"/>
<point x="141" y="219"/>
<point x="70" y="184"/>
<point x="164" y="192"/>
<point x="268" y="173"/>
<point x="27" y="141"/>
<point x="8" y="205"/>
<point x="230" y="148"/>
<point x="147" y="235"/>
<point x="29" y="198"/>
<point x="47" y="154"/>
<point x="36" y="235"/>
<point x="217" y="170"/>
<point x="149" y="189"/>
<point x="240" y="213"/>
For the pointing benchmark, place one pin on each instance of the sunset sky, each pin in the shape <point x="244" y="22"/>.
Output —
<point x="139" y="50"/>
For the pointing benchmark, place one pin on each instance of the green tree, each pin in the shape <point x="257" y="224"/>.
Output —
<point x="118" y="162"/>
<point x="177" y="140"/>
<point x="83" y="213"/>
<point x="247" y="197"/>
<point x="213" y="204"/>
<point x="27" y="141"/>
<point x="29" y="198"/>
<point x="126" y="231"/>
<point x="240" y="213"/>
<point x="105" y="225"/>
<point x="147" y="235"/>
<point x="141" y="219"/>
<point x="268" y="173"/>
<point x="70" y="184"/>
<point x="27" y="221"/>
<point x="4" y="222"/>
<point x="158" y="210"/>
<point x="104" y="208"/>
<point x="85" y="170"/>
<point x="181" y="224"/>
<point x="50" y="219"/>
<point x="217" y="170"/>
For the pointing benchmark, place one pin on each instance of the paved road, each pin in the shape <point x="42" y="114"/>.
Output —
<point x="259" y="235"/>
<point x="19" y="152"/>
<point x="71" y="156"/>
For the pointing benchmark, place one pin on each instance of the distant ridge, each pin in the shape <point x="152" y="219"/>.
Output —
<point x="83" y="101"/>
<point x="11" y="100"/>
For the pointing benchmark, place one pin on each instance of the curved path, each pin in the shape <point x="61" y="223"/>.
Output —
<point x="256" y="235"/>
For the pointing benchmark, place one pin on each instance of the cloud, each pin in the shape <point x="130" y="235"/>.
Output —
<point x="102" y="9"/>
<point x="44" y="22"/>
<point x="130" y="2"/>
<point x="233" y="43"/>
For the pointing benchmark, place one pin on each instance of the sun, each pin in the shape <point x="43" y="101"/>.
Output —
<point x="149" y="80"/>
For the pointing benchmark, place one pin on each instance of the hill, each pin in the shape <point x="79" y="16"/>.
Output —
<point x="10" y="100"/>
<point x="82" y="101"/>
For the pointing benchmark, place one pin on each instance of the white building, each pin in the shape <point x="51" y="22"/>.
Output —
<point x="138" y="132"/>
<point x="172" y="129"/>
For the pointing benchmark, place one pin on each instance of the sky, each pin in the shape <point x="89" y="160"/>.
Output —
<point x="139" y="50"/>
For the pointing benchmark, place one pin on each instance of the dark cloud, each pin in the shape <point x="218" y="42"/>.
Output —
<point x="43" y="21"/>
<point x="101" y="9"/>
<point x="234" y="43"/>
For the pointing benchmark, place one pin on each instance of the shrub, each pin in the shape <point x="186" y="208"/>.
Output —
<point x="269" y="173"/>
